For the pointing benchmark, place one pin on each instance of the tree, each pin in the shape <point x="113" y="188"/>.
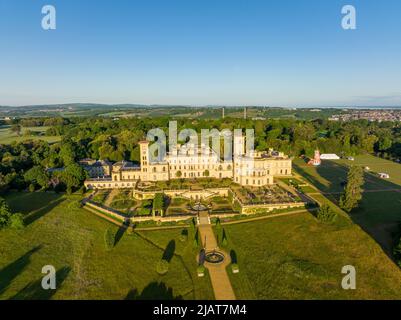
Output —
<point x="38" y="176"/>
<point x="326" y="213"/>
<point x="68" y="152"/>
<point x="16" y="128"/>
<point x="158" y="203"/>
<point x="384" y="143"/>
<point x="73" y="176"/>
<point x="178" y="174"/>
<point x="5" y="213"/>
<point x="353" y="190"/>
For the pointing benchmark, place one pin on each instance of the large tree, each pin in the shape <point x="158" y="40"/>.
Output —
<point x="353" y="190"/>
<point x="73" y="176"/>
<point x="37" y="175"/>
<point x="5" y="213"/>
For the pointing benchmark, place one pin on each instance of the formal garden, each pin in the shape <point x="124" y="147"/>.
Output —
<point x="271" y="194"/>
<point x="179" y="184"/>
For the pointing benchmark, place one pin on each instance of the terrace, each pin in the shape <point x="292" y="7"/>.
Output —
<point x="263" y="195"/>
<point x="180" y="184"/>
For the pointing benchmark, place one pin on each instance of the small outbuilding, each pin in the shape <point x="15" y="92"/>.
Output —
<point x="329" y="156"/>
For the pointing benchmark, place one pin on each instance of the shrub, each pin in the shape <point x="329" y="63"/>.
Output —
<point x="224" y="241"/>
<point x="236" y="206"/>
<point x="200" y="270"/>
<point x="31" y="187"/>
<point x="218" y="224"/>
<point x="184" y="235"/>
<point x="192" y="224"/>
<point x="326" y="213"/>
<point x="16" y="221"/>
<point x="234" y="268"/>
<point x="162" y="267"/>
<point x="109" y="239"/>
<point x="143" y="212"/>
<point x="196" y="238"/>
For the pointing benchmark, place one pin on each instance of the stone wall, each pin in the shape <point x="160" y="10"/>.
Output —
<point x="184" y="193"/>
<point x="258" y="208"/>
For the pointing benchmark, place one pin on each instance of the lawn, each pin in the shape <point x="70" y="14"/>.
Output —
<point x="124" y="202"/>
<point x="7" y="136"/>
<point x="61" y="234"/>
<point x="297" y="257"/>
<point x="178" y="206"/>
<point x="379" y="213"/>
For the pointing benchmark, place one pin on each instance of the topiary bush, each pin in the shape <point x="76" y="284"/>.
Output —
<point x="200" y="270"/>
<point x="162" y="267"/>
<point x="184" y="235"/>
<point x="234" y="268"/>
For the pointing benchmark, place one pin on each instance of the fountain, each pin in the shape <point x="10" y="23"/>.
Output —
<point x="199" y="207"/>
<point x="214" y="257"/>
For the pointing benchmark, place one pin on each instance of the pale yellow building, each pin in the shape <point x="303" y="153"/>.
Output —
<point x="188" y="162"/>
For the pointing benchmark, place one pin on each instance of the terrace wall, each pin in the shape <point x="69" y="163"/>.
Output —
<point x="183" y="193"/>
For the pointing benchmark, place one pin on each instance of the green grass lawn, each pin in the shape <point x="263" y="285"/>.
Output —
<point x="100" y="196"/>
<point x="297" y="257"/>
<point x="71" y="239"/>
<point x="7" y="136"/>
<point x="307" y="189"/>
<point x="379" y="213"/>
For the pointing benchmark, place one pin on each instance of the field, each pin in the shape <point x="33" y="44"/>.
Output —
<point x="71" y="239"/>
<point x="7" y="136"/>
<point x="380" y="210"/>
<point x="301" y="258"/>
<point x="297" y="257"/>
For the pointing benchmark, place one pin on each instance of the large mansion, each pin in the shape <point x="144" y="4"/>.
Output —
<point x="187" y="162"/>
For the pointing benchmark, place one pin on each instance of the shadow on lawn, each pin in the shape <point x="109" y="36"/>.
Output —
<point x="153" y="291"/>
<point x="169" y="251"/>
<point x="381" y="229"/>
<point x="11" y="271"/>
<point x="34" y="290"/>
<point x="35" y="215"/>
<point x="119" y="234"/>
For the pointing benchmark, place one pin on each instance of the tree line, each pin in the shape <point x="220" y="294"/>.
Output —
<point x="33" y="164"/>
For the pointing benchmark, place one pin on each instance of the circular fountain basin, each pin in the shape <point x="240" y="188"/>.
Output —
<point x="199" y="207"/>
<point x="214" y="257"/>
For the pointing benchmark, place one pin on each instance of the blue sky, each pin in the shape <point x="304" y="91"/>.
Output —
<point x="199" y="52"/>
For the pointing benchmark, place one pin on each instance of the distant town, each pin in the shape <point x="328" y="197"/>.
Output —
<point x="370" y="115"/>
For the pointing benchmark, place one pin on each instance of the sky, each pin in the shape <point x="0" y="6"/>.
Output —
<point x="201" y="52"/>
